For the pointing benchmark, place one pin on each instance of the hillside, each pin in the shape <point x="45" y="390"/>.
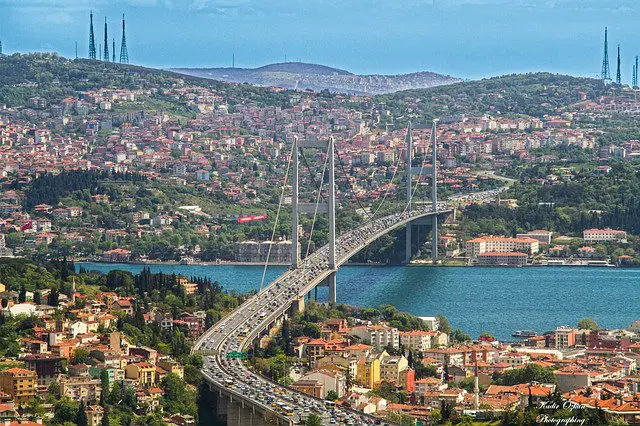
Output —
<point x="297" y="75"/>
<point x="534" y="94"/>
<point x="53" y="77"/>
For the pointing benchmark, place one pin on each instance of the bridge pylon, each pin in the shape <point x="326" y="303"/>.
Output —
<point x="329" y="208"/>
<point x="434" y="192"/>
<point x="408" y="159"/>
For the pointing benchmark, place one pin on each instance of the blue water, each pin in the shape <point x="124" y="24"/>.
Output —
<point x="497" y="300"/>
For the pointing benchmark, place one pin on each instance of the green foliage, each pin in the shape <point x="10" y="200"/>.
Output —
<point x="177" y="398"/>
<point x="588" y="324"/>
<point x="529" y="373"/>
<point x="535" y="94"/>
<point x="313" y="420"/>
<point x="332" y="395"/>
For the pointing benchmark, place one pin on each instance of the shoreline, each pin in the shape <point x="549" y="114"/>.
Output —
<point x="413" y="264"/>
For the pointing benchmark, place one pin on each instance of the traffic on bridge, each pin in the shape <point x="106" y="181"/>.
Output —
<point x="237" y="332"/>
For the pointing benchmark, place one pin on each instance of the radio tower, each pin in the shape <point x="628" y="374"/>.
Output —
<point x="92" y="42"/>
<point x="106" y="42"/>
<point x="605" y="75"/>
<point x="113" y="50"/>
<point x="124" y="55"/>
<point x="618" y="79"/>
<point x="635" y="74"/>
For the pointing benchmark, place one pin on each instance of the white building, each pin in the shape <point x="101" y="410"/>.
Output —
<point x="607" y="234"/>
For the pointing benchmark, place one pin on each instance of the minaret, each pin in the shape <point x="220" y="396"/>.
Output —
<point x="73" y="289"/>
<point x="92" y="41"/>
<point x="605" y="74"/>
<point x="124" y="54"/>
<point x="618" y="79"/>
<point x="106" y="41"/>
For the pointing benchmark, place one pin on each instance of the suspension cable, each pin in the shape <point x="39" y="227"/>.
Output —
<point x="315" y="213"/>
<point x="351" y="186"/>
<point x="275" y="224"/>
<point x="313" y="177"/>
<point x="386" y="192"/>
<point x="433" y="135"/>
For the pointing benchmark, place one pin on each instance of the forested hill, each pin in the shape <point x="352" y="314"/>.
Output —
<point x="53" y="77"/>
<point x="535" y="94"/>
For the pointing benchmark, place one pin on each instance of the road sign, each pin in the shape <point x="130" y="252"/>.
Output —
<point x="237" y="355"/>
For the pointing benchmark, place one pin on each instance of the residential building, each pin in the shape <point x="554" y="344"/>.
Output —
<point x="19" y="384"/>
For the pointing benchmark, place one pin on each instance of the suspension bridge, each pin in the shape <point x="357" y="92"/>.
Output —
<point x="246" y="398"/>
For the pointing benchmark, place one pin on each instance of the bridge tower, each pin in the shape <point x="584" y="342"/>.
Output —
<point x="408" y="159"/>
<point x="434" y="192"/>
<point x="329" y="208"/>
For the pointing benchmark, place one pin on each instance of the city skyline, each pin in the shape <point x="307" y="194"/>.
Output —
<point x="464" y="38"/>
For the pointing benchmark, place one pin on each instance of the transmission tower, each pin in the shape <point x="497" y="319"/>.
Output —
<point x="634" y="78"/>
<point x="92" y="42"/>
<point x="605" y="74"/>
<point x="124" y="55"/>
<point x="618" y="79"/>
<point x="113" y="50"/>
<point x="106" y="42"/>
<point x="0" y="47"/>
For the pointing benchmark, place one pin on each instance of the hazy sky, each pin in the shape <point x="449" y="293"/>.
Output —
<point x="465" y="38"/>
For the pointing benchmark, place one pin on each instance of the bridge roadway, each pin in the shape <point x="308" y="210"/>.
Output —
<point x="251" y="320"/>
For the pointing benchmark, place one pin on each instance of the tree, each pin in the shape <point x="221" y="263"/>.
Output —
<point x="105" y="417"/>
<point x="443" y="324"/>
<point x="332" y="395"/>
<point x="313" y="420"/>
<point x="81" y="417"/>
<point x="22" y="296"/>
<point x="54" y="390"/>
<point x="588" y="324"/>
<point x="104" y="383"/>
<point x="81" y="355"/>
<point x="37" y="297"/>
<point x="65" y="410"/>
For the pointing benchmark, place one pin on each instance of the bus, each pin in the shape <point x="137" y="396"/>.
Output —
<point x="228" y="383"/>
<point x="288" y="410"/>
<point x="330" y="404"/>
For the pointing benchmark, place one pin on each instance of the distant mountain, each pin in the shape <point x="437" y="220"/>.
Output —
<point x="298" y="75"/>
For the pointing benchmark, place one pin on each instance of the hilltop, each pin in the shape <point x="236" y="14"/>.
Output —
<point x="298" y="75"/>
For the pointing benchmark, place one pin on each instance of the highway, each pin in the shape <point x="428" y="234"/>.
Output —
<point x="237" y="331"/>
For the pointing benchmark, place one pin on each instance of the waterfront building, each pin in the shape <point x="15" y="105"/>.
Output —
<point x="607" y="234"/>
<point x="502" y="259"/>
<point x="565" y="337"/>
<point x="481" y="245"/>
<point x="543" y="237"/>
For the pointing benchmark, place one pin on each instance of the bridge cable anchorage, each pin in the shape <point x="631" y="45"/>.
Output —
<point x="275" y="224"/>
<point x="315" y="213"/>
<point x="420" y="174"/>
<point x="346" y="176"/>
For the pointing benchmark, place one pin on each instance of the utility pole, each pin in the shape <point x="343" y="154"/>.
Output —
<point x="295" y="256"/>
<point x="434" y="193"/>
<point x="332" y="222"/>
<point x="408" y="158"/>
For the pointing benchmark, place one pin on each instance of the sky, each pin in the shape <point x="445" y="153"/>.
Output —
<point x="464" y="38"/>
